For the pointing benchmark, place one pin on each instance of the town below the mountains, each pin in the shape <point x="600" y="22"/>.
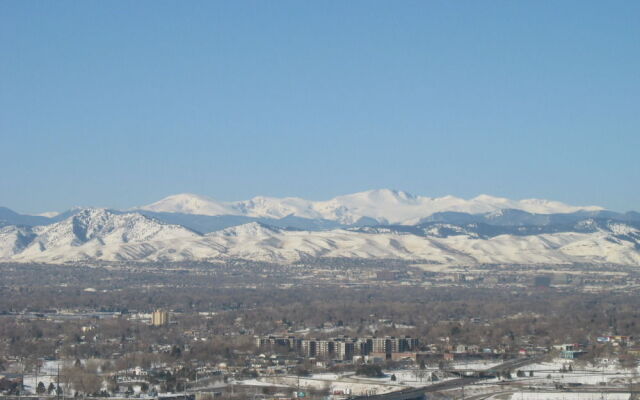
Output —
<point x="333" y="328"/>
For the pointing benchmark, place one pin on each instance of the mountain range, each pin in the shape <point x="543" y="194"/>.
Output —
<point x="379" y="224"/>
<point x="382" y="205"/>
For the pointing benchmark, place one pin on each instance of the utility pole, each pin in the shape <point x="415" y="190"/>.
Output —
<point x="21" y="383"/>
<point x="58" y="383"/>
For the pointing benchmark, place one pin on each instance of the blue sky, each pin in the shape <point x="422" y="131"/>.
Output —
<point x="121" y="103"/>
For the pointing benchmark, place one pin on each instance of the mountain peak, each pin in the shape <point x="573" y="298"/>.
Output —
<point x="189" y="203"/>
<point x="512" y="237"/>
<point x="382" y="205"/>
<point x="488" y="197"/>
<point x="384" y="194"/>
<point x="94" y="212"/>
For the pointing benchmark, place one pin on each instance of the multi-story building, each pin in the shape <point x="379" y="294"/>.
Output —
<point x="392" y="345"/>
<point x="308" y="348"/>
<point x="345" y="350"/>
<point x="408" y="344"/>
<point x="271" y="342"/>
<point x="159" y="318"/>
<point x="379" y="345"/>
<point x="324" y="348"/>
<point x="364" y="346"/>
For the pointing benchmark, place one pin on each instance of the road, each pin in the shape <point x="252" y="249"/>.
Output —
<point x="460" y="382"/>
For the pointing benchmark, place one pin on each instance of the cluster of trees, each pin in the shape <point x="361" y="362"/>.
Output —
<point x="370" y="370"/>
<point x="84" y="378"/>
<point x="9" y="386"/>
<point x="50" y="390"/>
<point x="486" y="317"/>
<point x="505" y="318"/>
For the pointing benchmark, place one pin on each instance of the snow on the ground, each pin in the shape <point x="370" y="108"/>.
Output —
<point x="563" y="396"/>
<point x="46" y="374"/>
<point x="550" y="373"/>
<point x="475" y="364"/>
<point x="546" y="375"/>
<point x="256" y="382"/>
<point x="404" y="378"/>
<point x="326" y="375"/>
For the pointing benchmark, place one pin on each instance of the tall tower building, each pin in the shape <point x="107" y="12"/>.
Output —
<point x="159" y="318"/>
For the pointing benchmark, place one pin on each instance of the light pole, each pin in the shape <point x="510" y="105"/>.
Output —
<point x="58" y="383"/>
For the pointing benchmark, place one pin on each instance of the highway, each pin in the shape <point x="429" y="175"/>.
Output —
<point x="460" y="382"/>
<point x="453" y="383"/>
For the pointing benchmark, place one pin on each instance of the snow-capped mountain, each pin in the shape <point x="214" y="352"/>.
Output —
<point x="90" y="234"/>
<point x="14" y="239"/>
<point x="187" y="203"/>
<point x="373" y="224"/>
<point x="383" y="205"/>
<point x="98" y="234"/>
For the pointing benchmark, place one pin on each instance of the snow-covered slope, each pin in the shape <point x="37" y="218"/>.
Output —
<point x="383" y="205"/>
<point x="188" y="203"/>
<point x="267" y="244"/>
<point x="96" y="234"/>
<point x="14" y="239"/>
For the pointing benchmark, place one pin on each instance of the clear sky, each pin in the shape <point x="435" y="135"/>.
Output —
<point x="120" y="103"/>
